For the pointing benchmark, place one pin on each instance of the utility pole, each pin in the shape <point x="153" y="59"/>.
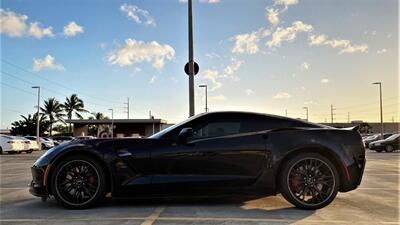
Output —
<point x="348" y="117"/>
<point x="286" y="112"/>
<point x="38" y="118"/>
<point x="306" y="108"/>
<point x="380" y="97"/>
<point x="127" y="107"/>
<point x="332" y="114"/>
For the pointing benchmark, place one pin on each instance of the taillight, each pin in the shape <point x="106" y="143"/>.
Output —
<point x="11" y="142"/>
<point x="27" y="142"/>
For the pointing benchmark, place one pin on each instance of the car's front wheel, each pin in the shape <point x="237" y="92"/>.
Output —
<point x="309" y="181"/>
<point x="389" y="148"/>
<point x="79" y="182"/>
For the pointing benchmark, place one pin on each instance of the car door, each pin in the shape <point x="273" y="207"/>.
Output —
<point x="219" y="153"/>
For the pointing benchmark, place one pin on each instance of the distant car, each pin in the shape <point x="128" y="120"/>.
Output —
<point x="61" y="139"/>
<point x="84" y="137"/>
<point x="10" y="144"/>
<point x="29" y="145"/>
<point x="390" y="144"/>
<point x="375" y="137"/>
<point x="45" y="143"/>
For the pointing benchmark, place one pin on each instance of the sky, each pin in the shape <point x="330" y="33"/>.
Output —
<point x="270" y="56"/>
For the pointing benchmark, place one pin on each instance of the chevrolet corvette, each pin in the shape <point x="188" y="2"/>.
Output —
<point x="211" y="153"/>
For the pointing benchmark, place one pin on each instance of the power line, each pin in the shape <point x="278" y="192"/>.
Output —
<point x="56" y="83"/>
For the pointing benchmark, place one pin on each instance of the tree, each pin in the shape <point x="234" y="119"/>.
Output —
<point x="27" y="126"/>
<point x="54" y="110"/>
<point x="72" y="105"/>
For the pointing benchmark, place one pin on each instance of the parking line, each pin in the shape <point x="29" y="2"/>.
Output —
<point x="215" y="219"/>
<point x="154" y="216"/>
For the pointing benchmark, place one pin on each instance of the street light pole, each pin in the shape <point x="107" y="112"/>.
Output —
<point x="38" y="118"/>
<point x="191" y="60"/>
<point x="206" y="94"/>
<point x="112" y="122"/>
<point x="380" y="98"/>
<point x="306" y="108"/>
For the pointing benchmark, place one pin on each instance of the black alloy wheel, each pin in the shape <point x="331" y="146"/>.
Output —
<point x="78" y="182"/>
<point x="309" y="181"/>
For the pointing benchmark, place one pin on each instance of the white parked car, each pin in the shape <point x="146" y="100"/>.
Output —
<point x="11" y="144"/>
<point x="45" y="143"/>
<point x="29" y="146"/>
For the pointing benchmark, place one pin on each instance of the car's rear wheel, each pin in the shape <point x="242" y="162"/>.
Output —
<point x="79" y="182"/>
<point x="309" y="181"/>
<point x="378" y="150"/>
<point x="389" y="148"/>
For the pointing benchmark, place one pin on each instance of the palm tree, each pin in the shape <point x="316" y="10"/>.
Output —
<point x="54" y="110"/>
<point x="72" y="105"/>
<point x="98" y="116"/>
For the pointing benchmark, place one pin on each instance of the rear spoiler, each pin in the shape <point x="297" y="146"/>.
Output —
<point x="355" y="128"/>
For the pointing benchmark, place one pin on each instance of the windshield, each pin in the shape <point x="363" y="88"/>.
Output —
<point x="168" y="129"/>
<point x="393" y="137"/>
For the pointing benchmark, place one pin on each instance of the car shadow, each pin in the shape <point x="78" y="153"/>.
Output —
<point x="262" y="208"/>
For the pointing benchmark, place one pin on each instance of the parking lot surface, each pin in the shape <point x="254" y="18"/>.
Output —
<point x="376" y="201"/>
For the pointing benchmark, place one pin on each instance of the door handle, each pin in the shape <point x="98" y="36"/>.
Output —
<point x="123" y="153"/>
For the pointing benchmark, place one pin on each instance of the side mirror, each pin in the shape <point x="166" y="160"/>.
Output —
<point x="184" y="135"/>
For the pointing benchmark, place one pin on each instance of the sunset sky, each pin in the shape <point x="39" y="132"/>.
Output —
<point x="260" y="55"/>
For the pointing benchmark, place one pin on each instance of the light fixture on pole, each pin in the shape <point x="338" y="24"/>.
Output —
<point x="112" y="122"/>
<point x="38" y="118"/>
<point x="206" y="94"/>
<point x="306" y="108"/>
<point x="380" y="98"/>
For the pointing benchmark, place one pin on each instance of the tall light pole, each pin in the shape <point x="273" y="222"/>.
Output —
<point x="112" y="122"/>
<point x="380" y="97"/>
<point x="38" y="118"/>
<point x="206" y="93"/>
<point x="306" y="108"/>
<point x="191" y="61"/>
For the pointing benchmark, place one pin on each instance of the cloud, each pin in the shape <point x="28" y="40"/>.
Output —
<point x="288" y="34"/>
<point x="72" y="29"/>
<point x="305" y="66"/>
<point x="272" y="16"/>
<point x="381" y="51"/>
<point x="212" y="55"/>
<point x="248" y="42"/>
<point x="135" y="52"/>
<point x="14" y="25"/>
<point x="153" y="79"/>
<point x="212" y="76"/>
<point x="232" y="68"/>
<point x="249" y="92"/>
<point x="137" y="14"/>
<point x="282" y="95"/>
<point x="217" y="98"/>
<point x="345" y="45"/>
<point x="324" y="81"/>
<point x="286" y="3"/>
<point x="46" y="63"/>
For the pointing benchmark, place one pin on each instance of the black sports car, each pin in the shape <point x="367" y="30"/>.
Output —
<point x="211" y="153"/>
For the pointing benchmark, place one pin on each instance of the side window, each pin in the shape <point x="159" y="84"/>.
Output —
<point x="216" y="128"/>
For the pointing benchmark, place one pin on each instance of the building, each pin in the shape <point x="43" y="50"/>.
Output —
<point x="122" y="127"/>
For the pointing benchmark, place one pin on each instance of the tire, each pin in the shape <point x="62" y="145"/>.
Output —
<point x="379" y="150"/>
<point x="1" y="150"/>
<point x="389" y="148"/>
<point x="93" y="180"/>
<point x="43" y="147"/>
<point x="29" y="151"/>
<point x="311" y="174"/>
